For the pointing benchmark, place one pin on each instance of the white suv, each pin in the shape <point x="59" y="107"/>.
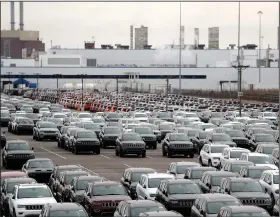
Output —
<point x="148" y="185"/>
<point x="259" y="159"/>
<point x="232" y="153"/>
<point x="270" y="182"/>
<point x="210" y="154"/>
<point x="29" y="199"/>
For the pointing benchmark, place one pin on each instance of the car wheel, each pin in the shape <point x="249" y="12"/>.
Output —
<point x="75" y="150"/>
<point x="191" y="155"/>
<point x="97" y="151"/>
<point x="121" y="153"/>
<point x="163" y="153"/>
<point x="144" y="154"/>
<point x="209" y="163"/>
<point x="200" y="161"/>
<point x="155" y="146"/>
<point x="169" y="154"/>
<point x="116" y="152"/>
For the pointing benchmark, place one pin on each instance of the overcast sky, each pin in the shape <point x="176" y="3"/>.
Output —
<point x="70" y="24"/>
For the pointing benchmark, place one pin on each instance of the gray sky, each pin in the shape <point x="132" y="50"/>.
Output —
<point x="70" y="24"/>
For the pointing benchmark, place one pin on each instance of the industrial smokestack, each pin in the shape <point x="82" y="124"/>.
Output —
<point x="21" y="16"/>
<point x="131" y="37"/>
<point x="12" y="15"/>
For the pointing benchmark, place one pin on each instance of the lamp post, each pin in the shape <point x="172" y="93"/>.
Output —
<point x="22" y="74"/>
<point x="180" y="52"/>
<point x="260" y="40"/>
<point x="9" y="73"/>
<point x="37" y="81"/>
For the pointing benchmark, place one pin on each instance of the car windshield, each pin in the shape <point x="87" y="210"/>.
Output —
<point x="64" y="130"/>
<point x="154" y="182"/>
<point x="136" y="176"/>
<point x="192" y="133"/>
<point x="164" y="115"/>
<point x="114" y="115"/>
<point x="268" y="150"/>
<point x="216" y="180"/>
<point x="5" y="114"/>
<point x="69" y="177"/>
<point x="25" y="121"/>
<point x="82" y="184"/>
<point x="109" y="190"/>
<point x="144" y="130"/>
<point x="11" y="185"/>
<point x="84" y="116"/>
<point x="214" y="207"/>
<point x="179" y="137"/>
<point x="56" y="121"/>
<point x="112" y="131"/>
<point x="44" y="110"/>
<point x="269" y="114"/>
<point x="217" y="149"/>
<point x="166" y="127"/>
<point x="197" y="174"/>
<point x="140" y="115"/>
<point x="48" y="125"/>
<point x="208" y="126"/>
<point x="235" y="168"/>
<point x="131" y="137"/>
<point x="18" y="146"/>
<point x="256" y="173"/>
<point x="41" y="164"/>
<point x="235" y="133"/>
<point x="59" y="116"/>
<point x="182" y="168"/>
<point x="98" y="120"/>
<point x="246" y="187"/>
<point x="92" y="126"/>
<point x="275" y="179"/>
<point x="223" y="137"/>
<point x="184" y="188"/>
<point x="32" y="116"/>
<point x="202" y="135"/>
<point x="137" y="210"/>
<point x="250" y="214"/>
<point x="37" y="192"/>
<point x="86" y="134"/>
<point x="68" y="213"/>
<point x="261" y="159"/>
<point x="264" y="138"/>
<point x="236" y="154"/>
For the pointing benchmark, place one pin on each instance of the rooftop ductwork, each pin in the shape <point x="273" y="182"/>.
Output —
<point x="21" y="16"/>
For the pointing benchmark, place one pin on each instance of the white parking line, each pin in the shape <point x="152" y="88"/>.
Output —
<point x="53" y="153"/>
<point x="150" y="157"/>
<point x="94" y="173"/>
<point x="127" y="165"/>
<point x="105" y="156"/>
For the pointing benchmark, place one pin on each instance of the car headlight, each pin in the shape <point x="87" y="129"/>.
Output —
<point x="96" y="203"/>
<point x="20" y="206"/>
<point x="277" y="191"/>
<point x="174" y="201"/>
<point x="268" y="200"/>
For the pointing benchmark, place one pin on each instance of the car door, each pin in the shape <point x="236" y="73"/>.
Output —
<point x="267" y="184"/>
<point x="139" y="189"/>
<point x="169" y="168"/>
<point x="158" y="196"/>
<point x="11" y="200"/>
<point x="203" y="182"/>
<point x="145" y="187"/>
<point x="205" y="154"/>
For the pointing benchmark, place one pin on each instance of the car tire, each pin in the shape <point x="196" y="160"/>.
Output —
<point x="116" y="152"/>
<point x="200" y="161"/>
<point x="144" y="154"/>
<point x="169" y="155"/>
<point x="155" y="146"/>
<point x="75" y="150"/>
<point x="209" y="163"/>
<point x="163" y="153"/>
<point x="191" y="155"/>
<point x="121" y="153"/>
<point x="97" y="151"/>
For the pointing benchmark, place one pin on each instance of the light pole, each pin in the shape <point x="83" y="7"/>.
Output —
<point x="260" y="40"/>
<point x="180" y="51"/>
<point x="22" y="74"/>
<point x="9" y="73"/>
<point x="37" y="81"/>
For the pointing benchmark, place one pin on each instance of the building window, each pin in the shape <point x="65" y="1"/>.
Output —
<point x="91" y="62"/>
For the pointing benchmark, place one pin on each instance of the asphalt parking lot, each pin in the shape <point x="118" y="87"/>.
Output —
<point x="106" y="164"/>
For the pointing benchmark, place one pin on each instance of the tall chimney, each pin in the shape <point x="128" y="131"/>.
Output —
<point x="12" y="15"/>
<point x="21" y="16"/>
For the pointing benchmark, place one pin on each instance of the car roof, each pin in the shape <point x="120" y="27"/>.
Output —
<point x="273" y="172"/>
<point x="241" y="179"/>
<point x="75" y="172"/>
<point x="180" y="181"/>
<point x="140" y="169"/>
<point x="88" y="177"/>
<point x="232" y="161"/>
<point x="68" y="166"/>
<point x="159" y="175"/>
<point x="16" y="141"/>
<point x="18" y="179"/>
<point x="163" y="214"/>
<point x="40" y="159"/>
<point x="186" y="163"/>
<point x="39" y="185"/>
<point x="256" y="154"/>
<point x="65" y="206"/>
<point x="254" y="167"/>
<point x="270" y="145"/>
<point x="12" y="173"/>
<point x="202" y="168"/>
<point x="107" y="183"/>
<point x="220" y="173"/>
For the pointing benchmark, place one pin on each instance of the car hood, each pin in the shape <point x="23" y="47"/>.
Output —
<point x="111" y="197"/>
<point x="239" y="138"/>
<point x="21" y="152"/>
<point x="184" y="196"/>
<point x="133" y="142"/>
<point x="180" y="142"/>
<point x="147" y="135"/>
<point x="111" y="135"/>
<point x="250" y="194"/>
<point x="87" y="139"/>
<point x="48" y="129"/>
<point x="36" y="201"/>
<point x="230" y="143"/>
<point x="80" y="192"/>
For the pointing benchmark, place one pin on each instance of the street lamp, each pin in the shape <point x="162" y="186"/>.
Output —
<point x="260" y="39"/>
<point x="180" y="52"/>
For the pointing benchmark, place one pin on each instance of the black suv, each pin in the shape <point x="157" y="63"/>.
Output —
<point x="147" y="135"/>
<point x="238" y="136"/>
<point x="85" y="140"/>
<point x="39" y="169"/>
<point x="17" y="152"/>
<point x="178" y="195"/>
<point x="177" y="143"/>
<point x="61" y="136"/>
<point x="3" y="139"/>
<point x="23" y="124"/>
<point x="247" y="190"/>
<point x="131" y="177"/>
<point x="130" y="143"/>
<point x="108" y="136"/>
<point x="208" y="205"/>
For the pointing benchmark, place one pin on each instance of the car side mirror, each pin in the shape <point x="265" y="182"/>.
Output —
<point x="126" y="180"/>
<point x="144" y="186"/>
<point x="201" y="212"/>
<point x="227" y="190"/>
<point x="14" y="197"/>
<point x="3" y="132"/>
<point x="32" y="148"/>
<point x="88" y="194"/>
<point x="3" y="190"/>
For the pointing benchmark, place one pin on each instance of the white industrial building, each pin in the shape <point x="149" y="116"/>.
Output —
<point x="215" y="64"/>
